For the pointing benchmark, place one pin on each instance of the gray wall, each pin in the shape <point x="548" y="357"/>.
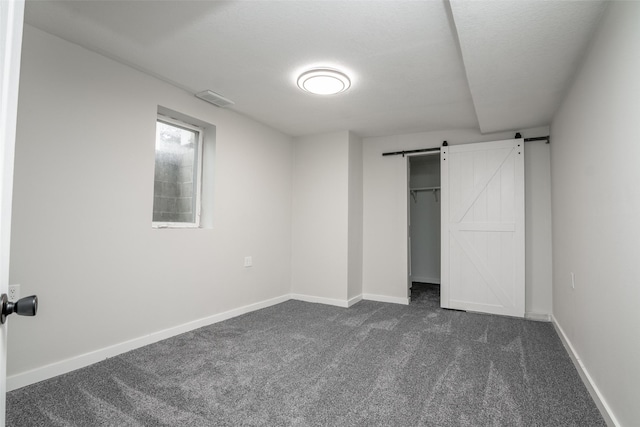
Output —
<point x="320" y="216"/>
<point x="327" y="218"/>
<point x="595" y="172"/>
<point x="81" y="235"/>
<point x="385" y="267"/>
<point x="355" y="217"/>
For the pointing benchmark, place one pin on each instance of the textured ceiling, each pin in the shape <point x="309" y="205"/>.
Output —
<point x="404" y="57"/>
<point x="520" y="55"/>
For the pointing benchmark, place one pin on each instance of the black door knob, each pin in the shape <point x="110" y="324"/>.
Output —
<point x="27" y="306"/>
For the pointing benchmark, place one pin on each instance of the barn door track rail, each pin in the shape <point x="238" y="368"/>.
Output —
<point x="444" y="144"/>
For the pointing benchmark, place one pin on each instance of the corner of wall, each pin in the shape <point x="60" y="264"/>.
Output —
<point x="355" y="212"/>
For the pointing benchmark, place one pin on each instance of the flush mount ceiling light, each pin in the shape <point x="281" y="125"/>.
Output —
<point x="323" y="81"/>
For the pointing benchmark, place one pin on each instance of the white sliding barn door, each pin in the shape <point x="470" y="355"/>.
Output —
<point x="483" y="227"/>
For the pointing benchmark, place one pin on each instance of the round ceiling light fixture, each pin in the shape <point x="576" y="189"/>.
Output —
<point x="323" y="81"/>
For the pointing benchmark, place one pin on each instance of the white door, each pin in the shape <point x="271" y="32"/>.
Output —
<point x="11" y="21"/>
<point x="483" y="227"/>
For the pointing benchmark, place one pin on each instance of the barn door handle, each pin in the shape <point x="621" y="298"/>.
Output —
<point x="27" y="306"/>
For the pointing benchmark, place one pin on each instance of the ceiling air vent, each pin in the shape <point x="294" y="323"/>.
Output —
<point x="214" y="98"/>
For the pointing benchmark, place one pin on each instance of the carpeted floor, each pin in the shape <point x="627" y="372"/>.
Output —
<point x="425" y="294"/>
<point x="303" y="364"/>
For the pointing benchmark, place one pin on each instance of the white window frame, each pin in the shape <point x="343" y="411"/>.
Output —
<point x="198" y="164"/>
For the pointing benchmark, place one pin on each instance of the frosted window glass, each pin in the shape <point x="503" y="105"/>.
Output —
<point x="176" y="170"/>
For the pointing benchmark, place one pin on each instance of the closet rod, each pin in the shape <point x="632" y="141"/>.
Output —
<point x="424" y="189"/>
<point x="425" y="150"/>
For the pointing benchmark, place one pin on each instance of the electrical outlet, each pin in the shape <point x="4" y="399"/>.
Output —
<point x="573" y="280"/>
<point x="14" y="292"/>
<point x="248" y="262"/>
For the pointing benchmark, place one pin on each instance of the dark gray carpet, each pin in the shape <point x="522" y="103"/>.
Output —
<point x="302" y="364"/>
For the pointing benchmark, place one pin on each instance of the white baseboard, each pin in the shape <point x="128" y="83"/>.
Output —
<point x="385" y="298"/>
<point x="42" y="373"/>
<point x="58" y="368"/>
<point x="320" y="300"/>
<point x="354" y="300"/>
<point x="423" y="279"/>
<point x="597" y="397"/>
<point x="538" y="317"/>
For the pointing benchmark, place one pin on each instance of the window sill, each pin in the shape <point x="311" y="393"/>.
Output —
<point x="165" y="225"/>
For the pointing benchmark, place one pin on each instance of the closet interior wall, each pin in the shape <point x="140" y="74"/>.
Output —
<point x="424" y="211"/>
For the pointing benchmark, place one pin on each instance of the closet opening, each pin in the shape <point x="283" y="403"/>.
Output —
<point x="424" y="228"/>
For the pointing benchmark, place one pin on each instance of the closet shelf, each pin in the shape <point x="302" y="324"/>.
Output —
<point x="415" y="190"/>
<point x="424" y="188"/>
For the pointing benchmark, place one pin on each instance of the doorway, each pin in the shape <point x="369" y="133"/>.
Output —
<point x="424" y="229"/>
<point x="471" y="242"/>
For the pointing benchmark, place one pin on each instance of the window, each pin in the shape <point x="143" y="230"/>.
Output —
<point x="178" y="171"/>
